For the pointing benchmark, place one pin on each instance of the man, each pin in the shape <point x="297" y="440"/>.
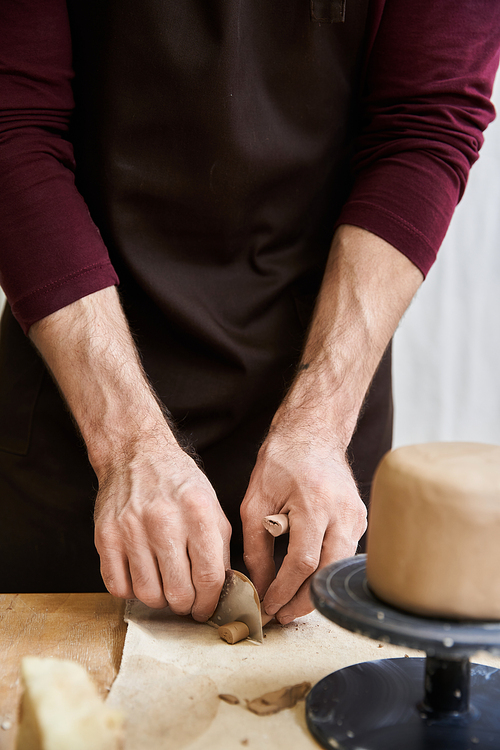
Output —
<point x="243" y="161"/>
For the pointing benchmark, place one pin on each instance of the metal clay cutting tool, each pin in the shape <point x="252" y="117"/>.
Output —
<point x="239" y="613"/>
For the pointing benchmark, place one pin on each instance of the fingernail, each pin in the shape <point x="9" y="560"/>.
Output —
<point x="285" y="619"/>
<point x="272" y="609"/>
<point x="199" y="618"/>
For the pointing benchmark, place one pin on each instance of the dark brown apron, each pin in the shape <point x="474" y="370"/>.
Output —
<point x="213" y="142"/>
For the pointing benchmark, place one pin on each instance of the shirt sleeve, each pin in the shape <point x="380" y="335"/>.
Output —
<point x="51" y="253"/>
<point x="426" y="103"/>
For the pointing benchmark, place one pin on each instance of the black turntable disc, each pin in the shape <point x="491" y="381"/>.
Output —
<point x="376" y="706"/>
<point x="438" y="703"/>
<point x="341" y="593"/>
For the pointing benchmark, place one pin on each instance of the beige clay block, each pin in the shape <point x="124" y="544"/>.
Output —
<point x="62" y="709"/>
<point x="433" y="539"/>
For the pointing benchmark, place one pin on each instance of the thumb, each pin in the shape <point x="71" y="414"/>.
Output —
<point x="258" y="547"/>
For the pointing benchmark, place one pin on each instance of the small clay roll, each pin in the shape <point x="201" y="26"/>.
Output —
<point x="233" y="632"/>
<point x="276" y="525"/>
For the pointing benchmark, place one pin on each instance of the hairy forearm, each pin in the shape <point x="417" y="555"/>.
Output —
<point x="91" y="354"/>
<point x="159" y="529"/>
<point x="367" y="286"/>
<point x="302" y="468"/>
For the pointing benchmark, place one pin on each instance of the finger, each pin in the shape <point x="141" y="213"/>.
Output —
<point x="258" y="551"/>
<point x="175" y="571"/>
<point x="299" y="606"/>
<point x="227" y="554"/>
<point x="226" y="551"/>
<point x="208" y="573"/>
<point x="335" y="547"/>
<point x="146" y="580"/>
<point x="301" y="561"/>
<point x="114" y="568"/>
<point x="225" y="531"/>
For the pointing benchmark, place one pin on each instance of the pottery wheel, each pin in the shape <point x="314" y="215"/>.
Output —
<point x="438" y="703"/>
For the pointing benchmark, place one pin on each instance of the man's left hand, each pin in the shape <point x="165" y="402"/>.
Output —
<point x="303" y="475"/>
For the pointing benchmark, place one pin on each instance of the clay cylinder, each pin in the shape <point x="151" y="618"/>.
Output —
<point x="233" y="632"/>
<point x="277" y="524"/>
<point x="433" y="537"/>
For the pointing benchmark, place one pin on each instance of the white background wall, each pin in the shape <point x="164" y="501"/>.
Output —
<point x="447" y="349"/>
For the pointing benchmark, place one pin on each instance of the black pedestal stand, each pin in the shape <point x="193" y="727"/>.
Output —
<point x="438" y="703"/>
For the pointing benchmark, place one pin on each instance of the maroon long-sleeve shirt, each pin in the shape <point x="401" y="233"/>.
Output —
<point x="429" y="68"/>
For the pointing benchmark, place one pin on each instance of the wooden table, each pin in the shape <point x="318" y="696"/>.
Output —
<point x="87" y="628"/>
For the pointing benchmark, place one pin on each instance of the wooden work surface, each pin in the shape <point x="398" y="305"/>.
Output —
<point x="87" y="628"/>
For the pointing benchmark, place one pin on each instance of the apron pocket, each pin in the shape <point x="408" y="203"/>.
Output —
<point x="328" y="11"/>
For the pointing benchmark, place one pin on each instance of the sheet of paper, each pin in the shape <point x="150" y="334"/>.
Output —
<point x="173" y="670"/>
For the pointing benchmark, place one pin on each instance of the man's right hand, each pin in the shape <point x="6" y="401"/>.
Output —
<point x="160" y="531"/>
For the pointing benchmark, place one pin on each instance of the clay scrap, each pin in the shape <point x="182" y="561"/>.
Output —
<point x="273" y="703"/>
<point x="228" y="698"/>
